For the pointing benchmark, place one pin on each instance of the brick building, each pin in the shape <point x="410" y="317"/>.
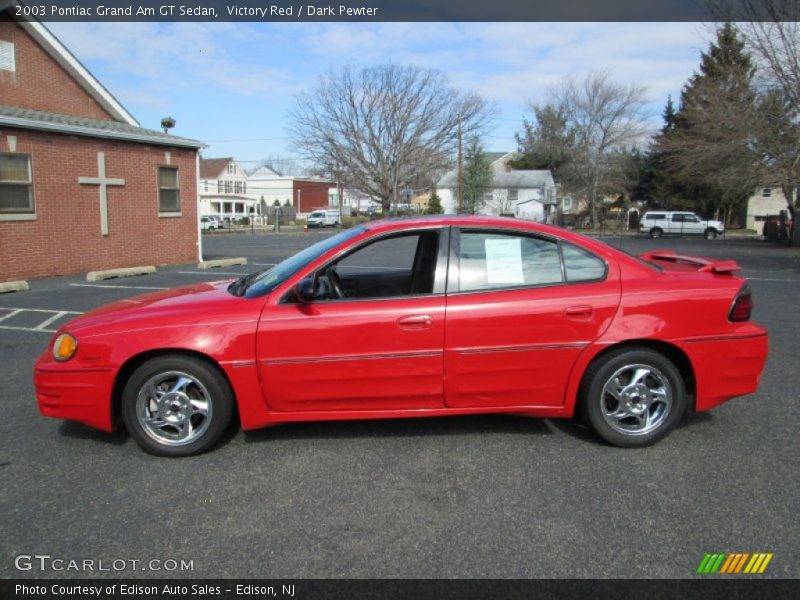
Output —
<point x="82" y="186"/>
<point x="305" y="194"/>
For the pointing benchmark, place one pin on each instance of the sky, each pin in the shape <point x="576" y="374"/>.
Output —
<point x="231" y="85"/>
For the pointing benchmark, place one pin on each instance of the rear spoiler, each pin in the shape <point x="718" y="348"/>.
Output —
<point x="701" y="265"/>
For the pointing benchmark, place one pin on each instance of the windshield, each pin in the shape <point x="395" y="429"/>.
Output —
<point x="316" y="215"/>
<point x="262" y="282"/>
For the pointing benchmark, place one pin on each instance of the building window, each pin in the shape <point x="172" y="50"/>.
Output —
<point x="513" y="196"/>
<point x="567" y="203"/>
<point x="766" y="192"/>
<point x="237" y="186"/>
<point x="231" y="168"/>
<point x="244" y="187"/>
<point x="227" y="187"/>
<point x="205" y="185"/>
<point x="219" y="186"/>
<point x="16" y="186"/>
<point x="7" y="59"/>
<point x="169" y="198"/>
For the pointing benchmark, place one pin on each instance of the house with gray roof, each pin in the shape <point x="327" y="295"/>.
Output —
<point x="525" y="194"/>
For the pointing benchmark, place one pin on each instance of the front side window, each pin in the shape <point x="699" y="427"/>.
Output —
<point x="169" y="199"/>
<point x="497" y="260"/>
<point x="401" y="265"/>
<point x="262" y="282"/>
<point x="16" y="185"/>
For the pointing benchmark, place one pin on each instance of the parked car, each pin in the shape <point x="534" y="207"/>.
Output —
<point x="523" y="318"/>
<point x="207" y="222"/>
<point x="323" y="218"/>
<point x="658" y="223"/>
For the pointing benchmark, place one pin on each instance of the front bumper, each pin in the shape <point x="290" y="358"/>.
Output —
<point x="77" y="394"/>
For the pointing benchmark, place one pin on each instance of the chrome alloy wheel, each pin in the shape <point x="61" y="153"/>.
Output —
<point x="173" y="408"/>
<point x="636" y="399"/>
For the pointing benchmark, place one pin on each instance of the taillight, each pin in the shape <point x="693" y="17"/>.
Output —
<point x="742" y="305"/>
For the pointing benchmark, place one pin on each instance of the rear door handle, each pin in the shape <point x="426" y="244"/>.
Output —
<point x="581" y="311"/>
<point x="415" y="322"/>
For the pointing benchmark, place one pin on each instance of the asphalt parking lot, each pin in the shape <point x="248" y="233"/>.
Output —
<point x="475" y="497"/>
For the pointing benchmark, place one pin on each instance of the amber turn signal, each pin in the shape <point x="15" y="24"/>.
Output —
<point x="64" y="347"/>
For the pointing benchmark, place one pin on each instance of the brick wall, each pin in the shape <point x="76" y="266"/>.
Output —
<point x="39" y="82"/>
<point x="314" y="194"/>
<point x="65" y="237"/>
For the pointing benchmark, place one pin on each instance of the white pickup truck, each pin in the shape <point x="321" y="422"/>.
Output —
<point x="658" y="223"/>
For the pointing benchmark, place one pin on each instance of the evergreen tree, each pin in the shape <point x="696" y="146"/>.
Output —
<point x="547" y="142"/>
<point x="706" y="147"/>
<point x="434" y="204"/>
<point x="477" y="176"/>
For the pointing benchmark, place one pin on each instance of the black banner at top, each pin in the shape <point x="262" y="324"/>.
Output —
<point x="403" y="10"/>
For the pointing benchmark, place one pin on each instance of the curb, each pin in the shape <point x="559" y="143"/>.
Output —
<point x="124" y="272"/>
<point x="14" y="286"/>
<point x="221" y="262"/>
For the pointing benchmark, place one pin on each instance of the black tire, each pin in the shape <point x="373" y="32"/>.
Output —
<point x="656" y="232"/>
<point x="711" y="233"/>
<point x="596" y="403"/>
<point x="207" y="387"/>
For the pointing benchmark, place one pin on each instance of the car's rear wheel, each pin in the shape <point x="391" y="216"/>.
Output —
<point x="656" y="232"/>
<point x="711" y="233"/>
<point x="633" y="397"/>
<point x="176" y="405"/>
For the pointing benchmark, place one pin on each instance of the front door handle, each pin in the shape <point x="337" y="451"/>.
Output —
<point x="579" y="312"/>
<point x="415" y="322"/>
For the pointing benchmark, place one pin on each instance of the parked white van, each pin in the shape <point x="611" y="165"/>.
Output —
<point x="323" y="218"/>
<point x="658" y="223"/>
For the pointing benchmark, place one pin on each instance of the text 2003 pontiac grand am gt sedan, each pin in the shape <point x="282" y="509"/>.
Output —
<point x="416" y="318"/>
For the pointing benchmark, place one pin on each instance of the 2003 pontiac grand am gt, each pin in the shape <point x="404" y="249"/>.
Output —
<point x="416" y="318"/>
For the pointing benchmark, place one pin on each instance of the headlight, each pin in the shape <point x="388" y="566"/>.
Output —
<point x="64" y="347"/>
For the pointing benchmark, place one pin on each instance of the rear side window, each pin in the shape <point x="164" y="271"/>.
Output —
<point x="655" y="216"/>
<point x="580" y="265"/>
<point x="494" y="261"/>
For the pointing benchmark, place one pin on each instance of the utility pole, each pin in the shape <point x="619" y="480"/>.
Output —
<point x="299" y="193"/>
<point x="460" y="167"/>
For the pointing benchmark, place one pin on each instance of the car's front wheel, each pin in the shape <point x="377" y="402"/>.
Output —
<point x="176" y="405"/>
<point x="633" y="397"/>
<point x="711" y="233"/>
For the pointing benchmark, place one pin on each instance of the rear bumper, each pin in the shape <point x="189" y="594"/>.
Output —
<point x="82" y="395"/>
<point x="727" y="367"/>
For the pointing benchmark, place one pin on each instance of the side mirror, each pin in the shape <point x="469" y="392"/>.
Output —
<point x="305" y="290"/>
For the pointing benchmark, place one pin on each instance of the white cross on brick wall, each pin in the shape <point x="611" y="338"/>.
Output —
<point x="103" y="182"/>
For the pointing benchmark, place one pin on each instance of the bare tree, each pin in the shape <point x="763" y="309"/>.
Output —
<point x="282" y="165"/>
<point x="771" y="29"/>
<point x="384" y="128"/>
<point x="601" y="118"/>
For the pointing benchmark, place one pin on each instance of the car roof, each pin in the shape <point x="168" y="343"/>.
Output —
<point x="401" y="223"/>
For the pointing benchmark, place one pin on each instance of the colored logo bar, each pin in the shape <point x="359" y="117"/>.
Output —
<point x="733" y="563"/>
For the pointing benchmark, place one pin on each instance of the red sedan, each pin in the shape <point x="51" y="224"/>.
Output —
<point x="416" y="318"/>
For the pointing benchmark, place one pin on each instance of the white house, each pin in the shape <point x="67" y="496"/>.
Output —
<point x="224" y="189"/>
<point x="526" y="194"/>
<point x="763" y="202"/>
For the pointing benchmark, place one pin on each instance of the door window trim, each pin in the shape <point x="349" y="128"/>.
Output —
<point x="453" y="277"/>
